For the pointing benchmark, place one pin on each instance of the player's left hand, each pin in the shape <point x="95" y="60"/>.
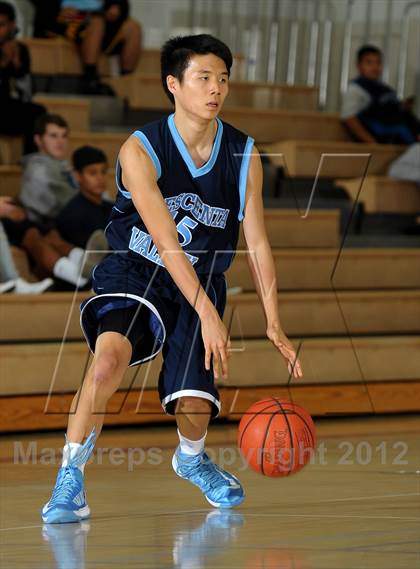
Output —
<point x="286" y="349"/>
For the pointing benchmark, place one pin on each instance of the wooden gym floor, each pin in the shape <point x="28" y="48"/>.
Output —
<point x="357" y="506"/>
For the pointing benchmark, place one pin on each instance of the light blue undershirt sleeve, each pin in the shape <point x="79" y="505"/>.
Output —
<point x="243" y="176"/>
<point x="118" y="179"/>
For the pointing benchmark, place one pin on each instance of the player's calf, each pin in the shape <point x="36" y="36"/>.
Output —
<point x="220" y="488"/>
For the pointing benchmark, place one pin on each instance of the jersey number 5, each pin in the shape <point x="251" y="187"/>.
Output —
<point x="184" y="227"/>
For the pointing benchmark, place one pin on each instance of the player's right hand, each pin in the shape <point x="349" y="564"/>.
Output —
<point x="216" y="343"/>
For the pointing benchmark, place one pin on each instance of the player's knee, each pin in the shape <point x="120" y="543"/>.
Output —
<point x="194" y="405"/>
<point x="106" y="368"/>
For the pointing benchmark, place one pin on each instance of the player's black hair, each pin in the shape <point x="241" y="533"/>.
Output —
<point x="365" y="50"/>
<point x="8" y="10"/>
<point x="87" y="155"/>
<point x="176" y="53"/>
<point x="44" y="120"/>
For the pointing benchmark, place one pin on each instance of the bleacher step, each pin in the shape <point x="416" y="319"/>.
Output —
<point x="383" y="241"/>
<point x="52" y="315"/>
<point x="106" y="111"/>
<point x="325" y="361"/>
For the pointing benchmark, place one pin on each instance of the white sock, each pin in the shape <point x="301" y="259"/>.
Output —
<point x="67" y="271"/>
<point x="191" y="447"/>
<point x="76" y="256"/>
<point x="69" y="452"/>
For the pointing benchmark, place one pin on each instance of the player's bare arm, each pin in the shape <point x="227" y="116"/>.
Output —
<point x="261" y="263"/>
<point x="139" y="177"/>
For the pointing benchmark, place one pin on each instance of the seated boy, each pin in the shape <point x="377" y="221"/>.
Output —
<point x="47" y="181"/>
<point x="87" y="212"/>
<point x="48" y="184"/>
<point x="371" y="109"/>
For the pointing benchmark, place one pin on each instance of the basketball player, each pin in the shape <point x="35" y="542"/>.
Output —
<point x="185" y="183"/>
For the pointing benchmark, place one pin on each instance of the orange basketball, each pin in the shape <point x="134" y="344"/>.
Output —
<point x="276" y="437"/>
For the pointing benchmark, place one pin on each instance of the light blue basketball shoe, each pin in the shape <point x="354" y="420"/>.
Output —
<point x="221" y="489"/>
<point x="68" y="500"/>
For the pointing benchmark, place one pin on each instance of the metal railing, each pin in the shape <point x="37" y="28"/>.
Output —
<point x="402" y="67"/>
<point x="302" y="52"/>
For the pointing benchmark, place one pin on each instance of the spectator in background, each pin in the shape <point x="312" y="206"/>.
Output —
<point x="18" y="113"/>
<point x="87" y="212"/>
<point x="47" y="182"/>
<point x="96" y="26"/>
<point x="47" y="250"/>
<point x="47" y="185"/>
<point x="371" y="109"/>
<point x="121" y="34"/>
<point x="9" y="276"/>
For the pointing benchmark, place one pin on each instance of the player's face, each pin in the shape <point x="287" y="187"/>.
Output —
<point x="54" y="142"/>
<point x="204" y="86"/>
<point x="92" y="179"/>
<point x="371" y="66"/>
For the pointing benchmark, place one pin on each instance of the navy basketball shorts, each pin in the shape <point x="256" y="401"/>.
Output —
<point x="141" y="301"/>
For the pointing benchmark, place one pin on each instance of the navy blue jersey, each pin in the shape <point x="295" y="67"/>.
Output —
<point x="206" y="203"/>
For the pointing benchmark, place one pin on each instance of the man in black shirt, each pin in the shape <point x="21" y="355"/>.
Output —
<point x="18" y="113"/>
<point x="371" y="109"/>
<point x="87" y="211"/>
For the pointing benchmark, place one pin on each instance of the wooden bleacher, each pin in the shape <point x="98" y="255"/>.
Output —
<point x="144" y="91"/>
<point x="10" y="149"/>
<point x="357" y="334"/>
<point x="302" y="158"/>
<point x="10" y="180"/>
<point x="357" y="268"/>
<point x="332" y="373"/>
<point x="109" y="142"/>
<point x="11" y="176"/>
<point x="342" y="375"/>
<point x="385" y="367"/>
<point x="286" y="228"/>
<point x="57" y="57"/>
<point x="369" y="357"/>
<point x="60" y="57"/>
<point x="325" y="361"/>
<point x="75" y="110"/>
<point x="383" y="194"/>
<point x="309" y="313"/>
<point x="272" y="125"/>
